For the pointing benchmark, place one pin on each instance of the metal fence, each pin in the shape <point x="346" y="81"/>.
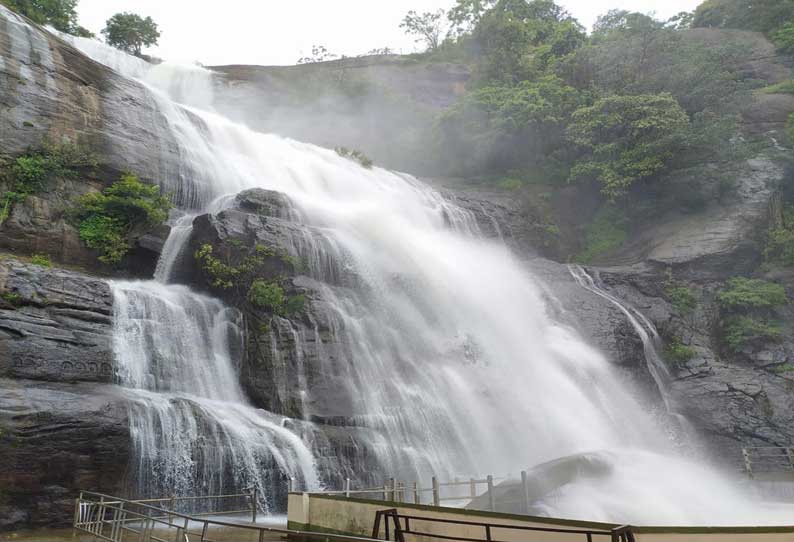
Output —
<point x="765" y="460"/>
<point x="438" y="492"/>
<point x="120" y="520"/>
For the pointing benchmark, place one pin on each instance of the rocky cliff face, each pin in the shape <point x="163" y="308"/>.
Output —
<point x="62" y="426"/>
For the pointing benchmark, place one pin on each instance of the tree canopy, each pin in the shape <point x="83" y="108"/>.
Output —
<point x="61" y="14"/>
<point x="627" y="139"/>
<point x="130" y="32"/>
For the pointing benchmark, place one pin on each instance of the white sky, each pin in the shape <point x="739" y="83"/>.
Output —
<point x="272" y="32"/>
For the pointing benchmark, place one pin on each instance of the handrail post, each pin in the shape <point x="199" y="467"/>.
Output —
<point x="172" y="508"/>
<point x="491" y="496"/>
<point x="395" y="497"/>
<point x="386" y="491"/>
<point x="417" y="496"/>
<point x="525" y="488"/>
<point x="76" y="512"/>
<point x="436" y="492"/>
<point x="472" y="488"/>
<point x="254" y="491"/>
<point x="347" y="487"/>
<point x="290" y="487"/>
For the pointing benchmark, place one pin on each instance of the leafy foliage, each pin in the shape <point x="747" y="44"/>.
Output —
<point x="427" y="27"/>
<point x="41" y="260"/>
<point x="61" y="14"/>
<point x="677" y="353"/>
<point x="268" y="295"/>
<point x="108" y="220"/>
<point x="606" y="232"/>
<point x="743" y="293"/>
<point x="34" y="172"/>
<point x="746" y="306"/>
<point x="780" y="240"/>
<point x="507" y="127"/>
<point x="130" y="32"/>
<point x="774" y="18"/>
<point x="627" y="139"/>
<point x="681" y="298"/>
<point x="742" y="331"/>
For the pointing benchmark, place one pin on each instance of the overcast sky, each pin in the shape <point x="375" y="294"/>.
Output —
<point x="271" y="32"/>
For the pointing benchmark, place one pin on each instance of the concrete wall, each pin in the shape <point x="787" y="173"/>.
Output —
<point x="335" y="514"/>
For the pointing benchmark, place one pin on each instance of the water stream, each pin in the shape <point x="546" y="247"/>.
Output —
<point x="443" y="345"/>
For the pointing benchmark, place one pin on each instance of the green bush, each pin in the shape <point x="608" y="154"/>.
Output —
<point x="677" y="353"/>
<point x="12" y="298"/>
<point x="34" y="171"/>
<point x="627" y="139"/>
<point x="742" y="331"/>
<point x="355" y="155"/>
<point x="681" y="298"/>
<point x="41" y="260"/>
<point x="743" y="294"/>
<point x="607" y="232"/>
<point x="267" y="295"/>
<point x="295" y="304"/>
<point x="108" y="220"/>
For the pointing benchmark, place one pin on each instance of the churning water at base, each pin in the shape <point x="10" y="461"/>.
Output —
<point x="192" y="430"/>
<point x="443" y="342"/>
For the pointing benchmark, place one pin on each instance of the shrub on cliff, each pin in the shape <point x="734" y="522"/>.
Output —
<point x="108" y="220"/>
<point x="35" y="171"/>
<point x="746" y="309"/>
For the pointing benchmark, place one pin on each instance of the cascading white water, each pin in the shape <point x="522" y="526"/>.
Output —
<point x="191" y="427"/>
<point x="445" y="343"/>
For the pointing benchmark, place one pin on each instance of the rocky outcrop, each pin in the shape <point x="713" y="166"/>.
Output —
<point x="55" y="325"/>
<point x="56" y="439"/>
<point x="50" y="92"/>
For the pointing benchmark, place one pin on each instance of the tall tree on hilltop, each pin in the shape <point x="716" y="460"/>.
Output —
<point x="427" y="27"/>
<point x="130" y="32"/>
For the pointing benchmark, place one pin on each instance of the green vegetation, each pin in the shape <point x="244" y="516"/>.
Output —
<point x="109" y="220"/>
<point x="627" y="139"/>
<point x="775" y="18"/>
<point x="745" y="294"/>
<point x="427" y="27"/>
<point x="746" y="307"/>
<point x="130" y="32"/>
<point x="681" y="298"/>
<point x="35" y="171"/>
<point x="41" y="260"/>
<point x="267" y="295"/>
<point x="783" y="368"/>
<point x="607" y="232"/>
<point x="12" y="298"/>
<point x="741" y="331"/>
<point x="784" y="87"/>
<point x="780" y="240"/>
<point x="677" y="353"/>
<point x="61" y="14"/>
<point x="356" y="156"/>
<point x="241" y="273"/>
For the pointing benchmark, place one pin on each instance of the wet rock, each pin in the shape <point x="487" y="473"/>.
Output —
<point x="55" y="325"/>
<point x="56" y="439"/>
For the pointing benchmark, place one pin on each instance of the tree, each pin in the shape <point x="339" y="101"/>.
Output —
<point x="61" y="14"/>
<point x="465" y="15"/>
<point x="130" y="32"/>
<point x="627" y="139"/>
<point x="427" y="27"/>
<point x="759" y="15"/>
<point x="319" y="54"/>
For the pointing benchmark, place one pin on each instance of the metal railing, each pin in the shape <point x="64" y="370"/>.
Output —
<point x="394" y="490"/>
<point x="401" y="526"/>
<point x="110" y="518"/>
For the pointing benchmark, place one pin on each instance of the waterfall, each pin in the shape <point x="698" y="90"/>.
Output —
<point x="444" y="348"/>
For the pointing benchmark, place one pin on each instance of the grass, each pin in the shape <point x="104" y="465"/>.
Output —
<point x="784" y="87"/>
<point x="608" y="231"/>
